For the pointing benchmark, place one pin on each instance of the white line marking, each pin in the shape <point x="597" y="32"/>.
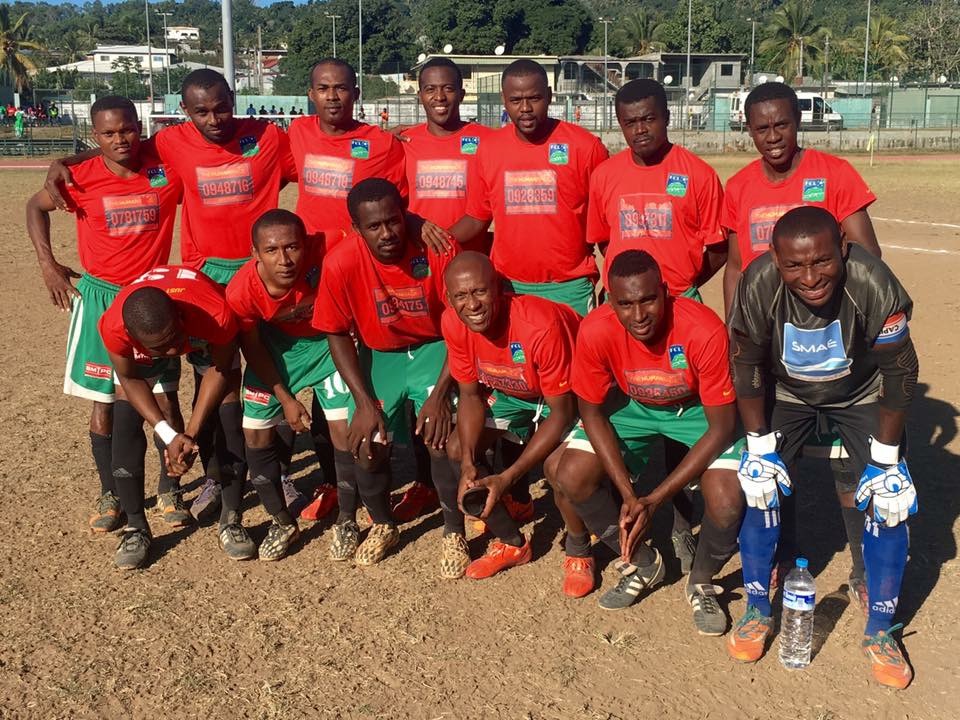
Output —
<point x="916" y="222"/>
<point x="932" y="251"/>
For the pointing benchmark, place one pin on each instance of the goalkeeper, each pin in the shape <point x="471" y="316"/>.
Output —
<point x="828" y="323"/>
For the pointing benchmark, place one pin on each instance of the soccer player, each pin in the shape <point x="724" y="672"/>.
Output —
<point x="125" y="202"/>
<point x="386" y="288"/>
<point x="827" y="322"/>
<point x="333" y="152"/>
<point x="646" y="365"/>
<point x="520" y="350"/>
<point x="170" y="311"/>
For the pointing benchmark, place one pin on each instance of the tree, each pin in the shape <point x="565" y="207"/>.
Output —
<point x="714" y="29"/>
<point x="127" y="78"/>
<point x="793" y="41"/>
<point x="887" y="51"/>
<point x="639" y="33"/>
<point x="552" y="27"/>
<point x="16" y="62"/>
<point x="935" y="33"/>
<point x="468" y="26"/>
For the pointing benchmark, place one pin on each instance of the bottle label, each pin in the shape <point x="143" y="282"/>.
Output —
<point x="799" y="601"/>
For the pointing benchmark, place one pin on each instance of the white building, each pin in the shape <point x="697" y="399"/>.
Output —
<point x="182" y="33"/>
<point x="101" y="60"/>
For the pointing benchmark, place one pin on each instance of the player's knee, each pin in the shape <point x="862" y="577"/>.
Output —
<point x="258" y="438"/>
<point x="722" y="497"/>
<point x="576" y="474"/>
<point x="101" y="418"/>
<point x="437" y="453"/>
<point x="550" y="467"/>
<point x="338" y="434"/>
<point x="453" y="448"/>
<point x="380" y="457"/>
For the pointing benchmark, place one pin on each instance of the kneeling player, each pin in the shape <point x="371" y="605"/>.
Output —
<point x="665" y="360"/>
<point x="164" y="314"/>
<point x="521" y="347"/>
<point x="828" y="321"/>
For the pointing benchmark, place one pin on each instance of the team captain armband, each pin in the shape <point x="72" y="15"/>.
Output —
<point x="894" y="329"/>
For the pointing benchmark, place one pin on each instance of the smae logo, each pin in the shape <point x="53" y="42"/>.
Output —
<point x="816" y="355"/>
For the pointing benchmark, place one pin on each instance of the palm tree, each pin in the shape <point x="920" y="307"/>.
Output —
<point x="639" y="32"/>
<point x="794" y="39"/>
<point x="15" y="60"/>
<point x="887" y="45"/>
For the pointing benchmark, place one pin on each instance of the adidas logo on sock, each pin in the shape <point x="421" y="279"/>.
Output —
<point x="755" y="588"/>
<point x="887" y="607"/>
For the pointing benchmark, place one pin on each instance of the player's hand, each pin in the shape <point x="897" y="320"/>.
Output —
<point x="57" y="278"/>
<point x="636" y="514"/>
<point x="436" y="238"/>
<point x="889" y="484"/>
<point x="762" y="470"/>
<point x="398" y="130"/>
<point x="435" y="420"/>
<point x="180" y="454"/>
<point x="367" y="427"/>
<point x="497" y="485"/>
<point x="296" y="415"/>
<point x="58" y="176"/>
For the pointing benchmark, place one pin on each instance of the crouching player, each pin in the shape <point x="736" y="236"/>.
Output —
<point x="828" y="321"/>
<point x="166" y="313"/>
<point x="666" y="361"/>
<point x="521" y="349"/>
<point x="272" y="297"/>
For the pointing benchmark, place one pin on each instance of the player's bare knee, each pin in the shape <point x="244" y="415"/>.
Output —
<point x="722" y="497"/>
<point x="101" y="418"/>
<point x="453" y="448"/>
<point x="258" y="438"/>
<point x="437" y="453"/>
<point x="577" y="476"/>
<point x="552" y="465"/>
<point x="380" y="457"/>
<point x="338" y="434"/>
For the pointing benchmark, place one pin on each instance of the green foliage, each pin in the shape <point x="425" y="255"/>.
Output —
<point x="714" y="28"/>
<point x="794" y="40"/>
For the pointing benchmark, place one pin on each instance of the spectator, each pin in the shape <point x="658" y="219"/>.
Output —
<point x="273" y="110"/>
<point x="251" y="110"/>
<point x="384" y="117"/>
<point x="263" y="109"/>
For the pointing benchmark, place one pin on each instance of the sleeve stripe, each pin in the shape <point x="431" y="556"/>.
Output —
<point x="894" y="329"/>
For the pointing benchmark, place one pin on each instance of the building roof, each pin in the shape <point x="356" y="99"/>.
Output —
<point x="131" y="50"/>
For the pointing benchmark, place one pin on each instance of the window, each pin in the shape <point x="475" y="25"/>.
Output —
<point x="570" y="71"/>
<point x="805" y="104"/>
<point x="104" y="58"/>
<point x="726" y="70"/>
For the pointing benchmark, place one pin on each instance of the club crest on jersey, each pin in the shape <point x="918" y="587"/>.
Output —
<point x="815" y="355"/>
<point x="469" y="145"/>
<point x="360" y="149"/>
<point x="419" y="267"/>
<point x="678" y="360"/>
<point x="814" y="189"/>
<point x="157" y="177"/>
<point x="677" y="184"/>
<point x="559" y="154"/>
<point x="249" y="146"/>
<point x="313" y="276"/>
<point x="516" y="353"/>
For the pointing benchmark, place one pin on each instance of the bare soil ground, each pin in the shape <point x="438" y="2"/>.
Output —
<point x="195" y="635"/>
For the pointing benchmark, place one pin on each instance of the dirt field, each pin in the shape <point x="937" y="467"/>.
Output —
<point x="195" y="635"/>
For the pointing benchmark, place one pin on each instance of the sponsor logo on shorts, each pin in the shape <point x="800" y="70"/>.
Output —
<point x="441" y="179"/>
<point x="559" y="154"/>
<point x="530" y="192"/>
<point x="157" y="176"/>
<point x="657" y="387"/>
<point x="678" y="360"/>
<point x="469" y="144"/>
<point x="506" y="378"/>
<point x="249" y="146"/>
<point x="396" y="303"/>
<point x="816" y="355"/>
<point x="360" y="149"/>
<point x="645" y="215"/>
<point x="761" y="221"/>
<point x="131" y="214"/>
<point x="677" y="184"/>
<point x="97" y="371"/>
<point x="894" y="329"/>
<point x="256" y="396"/>
<point x="814" y="189"/>
<point x="226" y="184"/>
<point x="516" y="353"/>
<point x="419" y="267"/>
<point x="327" y="176"/>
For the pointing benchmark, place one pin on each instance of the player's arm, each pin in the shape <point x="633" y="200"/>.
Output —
<point x="604" y="440"/>
<point x="731" y="272"/>
<point x="55" y="276"/>
<point x="367" y="418"/>
<point x="139" y="393"/>
<point x="59" y="175"/>
<point x="471" y="419"/>
<point x="899" y="369"/>
<point x="714" y="258"/>
<point x="748" y="368"/>
<point x="435" y="419"/>
<point x="858" y="228"/>
<point x="465" y="230"/>
<point x="259" y="359"/>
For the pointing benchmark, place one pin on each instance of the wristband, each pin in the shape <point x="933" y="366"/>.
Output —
<point x="165" y="432"/>
<point x="884" y="454"/>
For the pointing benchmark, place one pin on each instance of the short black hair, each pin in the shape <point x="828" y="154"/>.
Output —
<point x="204" y="79"/>
<point x="370" y="190"/>
<point x="637" y="90"/>
<point x="805" y="221"/>
<point x="148" y="311"/>
<point x="113" y="102"/>
<point x="765" y="92"/>
<point x="441" y="62"/>
<point x="336" y="62"/>
<point x="523" y="67"/>
<point x="278" y="217"/>
<point x="632" y="262"/>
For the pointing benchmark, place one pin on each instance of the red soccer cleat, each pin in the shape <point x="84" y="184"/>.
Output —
<point x="324" y="502"/>
<point x="499" y="556"/>
<point x="579" y="576"/>
<point x="417" y="500"/>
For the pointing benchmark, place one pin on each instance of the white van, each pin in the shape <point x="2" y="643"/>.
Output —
<point x="815" y="112"/>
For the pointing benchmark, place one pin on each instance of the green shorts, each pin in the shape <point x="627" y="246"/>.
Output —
<point x="396" y="376"/>
<point x="692" y="292"/>
<point x="303" y="362"/>
<point x="516" y="417"/>
<point x="221" y="271"/>
<point x="576" y="294"/>
<point x="89" y="373"/>
<point x="637" y="426"/>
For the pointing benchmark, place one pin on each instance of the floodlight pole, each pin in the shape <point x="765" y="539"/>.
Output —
<point x="226" y="19"/>
<point x="866" y="50"/>
<point x="360" y="49"/>
<point x="689" y="82"/>
<point x="606" y="86"/>
<point x="166" y="48"/>
<point x="333" y="18"/>
<point x="146" y="12"/>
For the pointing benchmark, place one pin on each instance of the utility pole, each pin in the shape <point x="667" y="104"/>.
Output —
<point x="146" y="11"/>
<point x="866" y="50"/>
<point x="166" y="48"/>
<point x="753" y="41"/>
<point x="226" y="19"/>
<point x="334" y="18"/>
<point x="606" y="81"/>
<point x="689" y="82"/>
<point x="260" y="59"/>
<point x="360" y="49"/>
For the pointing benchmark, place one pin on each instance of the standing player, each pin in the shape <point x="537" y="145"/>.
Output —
<point x="125" y="202"/>
<point x="170" y="311"/>
<point x="386" y="288"/>
<point x="520" y="348"/>
<point x="828" y="323"/>
<point x="648" y="365"/>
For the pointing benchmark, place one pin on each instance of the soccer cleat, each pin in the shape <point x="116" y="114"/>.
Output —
<point x="207" y="500"/>
<point x="685" y="548"/>
<point x="416" y="501"/>
<point x="323" y="503"/>
<point x="172" y="510"/>
<point x="748" y="637"/>
<point x="279" y="540"/>
<point x="579" y="576"/>
<point x="292" y="497"/>
<point x="379" y="540"/>
<point x="108" y="515"/>
<point x="707" y="615"/>
<point x="520" y="513"/>
<point x="133" y="548"/>
<point x="499" y="556"/>
<point x="632" y="583"/>
<point x="857" y="592"/>
<point x="886" y="659"/>
<point x="234" y="540"/>
<point x="454" y="556"/>
<point x="343" y="544"/>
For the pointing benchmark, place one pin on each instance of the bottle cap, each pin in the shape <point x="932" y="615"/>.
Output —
<point x="802" y="563"/>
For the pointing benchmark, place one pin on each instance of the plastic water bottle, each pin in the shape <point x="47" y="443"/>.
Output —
<point x="796" y="624"/>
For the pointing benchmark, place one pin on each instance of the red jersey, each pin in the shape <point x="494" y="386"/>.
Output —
<point x="328" y="166"/>
<point x="671" y="210"/>
<point x="528" y="354"/>
<point x="536" y="196"/>
<point x="688" y="363"/>
<point x="124" y="225"/>
<point x="753" y="203"/>
<point x="391" y="306"/>
<point x="226" y="187"/>
<point x="200" y="302"/>
<point x="291" y="313"/>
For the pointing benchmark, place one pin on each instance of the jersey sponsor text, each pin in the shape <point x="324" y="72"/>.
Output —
<point x="327" y="176"/>
<point x="226" y="184"/>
